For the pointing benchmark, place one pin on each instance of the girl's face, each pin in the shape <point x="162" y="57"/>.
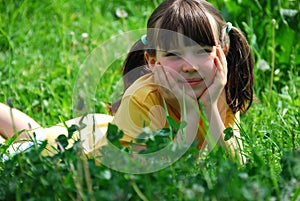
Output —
<point x="192" y="67"/>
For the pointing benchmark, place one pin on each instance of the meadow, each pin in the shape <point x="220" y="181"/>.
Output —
<point x="43" y="46"/>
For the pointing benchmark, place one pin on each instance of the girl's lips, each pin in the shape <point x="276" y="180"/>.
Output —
<point x="193" y="82"/>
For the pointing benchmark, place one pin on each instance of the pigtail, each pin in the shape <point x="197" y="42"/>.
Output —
<point x="134" y="67"/>
<point x="239" y="87"/>
<point x="135" y="63"/>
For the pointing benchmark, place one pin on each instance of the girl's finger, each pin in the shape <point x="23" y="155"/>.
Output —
<point x="222" y="57"/>
<point x="221" y="66"/>
<point x="218" y="64"/>
<point x="166" y="77"/>
<point x="161" y="76"/>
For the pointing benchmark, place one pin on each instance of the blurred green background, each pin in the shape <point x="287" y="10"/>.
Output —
<point x="44" y="43"/>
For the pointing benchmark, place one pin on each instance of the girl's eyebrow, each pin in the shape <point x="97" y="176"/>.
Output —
<point x="195" y="47"/>
<point x="203" y="47"/>
<point x="172" y="51"/>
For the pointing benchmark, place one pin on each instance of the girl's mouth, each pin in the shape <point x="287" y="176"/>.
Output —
<point x="193" y="82"/>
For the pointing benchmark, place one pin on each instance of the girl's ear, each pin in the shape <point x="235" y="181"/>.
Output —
<point x="150" y="60"/>
<point x="225" y="49"/>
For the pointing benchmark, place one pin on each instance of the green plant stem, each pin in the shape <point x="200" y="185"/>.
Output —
<point x="138" y="191"/>
<point x="167" y="114"/>
<point x="77" y="178"/>
<point x="184" y="112"/>
<point x="273" y="56"/>
<point x="88" y="177"/>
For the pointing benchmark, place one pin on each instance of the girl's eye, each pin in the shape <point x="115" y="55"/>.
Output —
<point x="208" y="50"/>
<point x="204" y="51"/>
<point x="172" y="54"/>
<point x="201" y="51"/>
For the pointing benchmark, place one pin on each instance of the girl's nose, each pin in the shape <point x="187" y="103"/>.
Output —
<point x="188" y="67"/>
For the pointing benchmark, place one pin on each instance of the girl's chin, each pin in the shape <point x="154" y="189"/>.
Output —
<point x="194" y="94"/>
<point x="193" y="91"/>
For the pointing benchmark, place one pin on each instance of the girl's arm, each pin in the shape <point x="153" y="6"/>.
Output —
<point x="234" y="145"/>
<point x="13" y="120"/>
<point x="210" y="102"/>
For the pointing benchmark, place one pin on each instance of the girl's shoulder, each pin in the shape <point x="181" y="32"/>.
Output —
<point x="143" y="88"/>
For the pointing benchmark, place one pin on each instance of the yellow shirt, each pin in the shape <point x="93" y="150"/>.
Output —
<point x="142" y="105"/>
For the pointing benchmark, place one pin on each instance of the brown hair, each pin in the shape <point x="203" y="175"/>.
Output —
<point x="192" y="18"/>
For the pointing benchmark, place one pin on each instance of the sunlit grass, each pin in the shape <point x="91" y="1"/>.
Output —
<point x="42" y="49"/>
<point x="43" y="44"/>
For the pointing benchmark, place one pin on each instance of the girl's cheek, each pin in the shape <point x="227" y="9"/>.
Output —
<point x="207" y="63"/>
<point x="171" y="64"/>
<point x="207" y="68"/>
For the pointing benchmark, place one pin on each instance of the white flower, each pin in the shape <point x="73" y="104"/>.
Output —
<point x="84" y="35"/>
<point x="121" y="13"/>
<point x="147" y="130"/>
<point x="106" y="175"/>
<point x="263" y="65"/>
<point x="285" y="93"/>
<point x="190" y="194"/>
<point x="46" y="103"/>
<point x="198" y="188"/>
<point x="243" y="175"/>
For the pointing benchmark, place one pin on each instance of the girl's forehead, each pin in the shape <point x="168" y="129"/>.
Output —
<point x="187" y="47"/>
<point x="175" y="40"/>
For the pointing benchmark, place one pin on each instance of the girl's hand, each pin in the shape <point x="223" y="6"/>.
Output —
<point x="186" y="105"/>
<point x="166" y="83"/>
<point x="212" y="93"/>
<point x="169" y="87"/>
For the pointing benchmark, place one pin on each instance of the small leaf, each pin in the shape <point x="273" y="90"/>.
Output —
<point x="172" y="122"/>
<point x="71" y="130"/>
<point x="182" y="124"/>
<point x="164" y="132"/>
<point x="43" y="145"/>
<point x="228" y="133"/>
<point x="142" y="138"/>
<point x="63" y="140"/>
<point x="113" y="133"/>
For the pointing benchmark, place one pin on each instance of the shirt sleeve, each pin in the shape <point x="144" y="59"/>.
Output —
<point x="139" y="111"/>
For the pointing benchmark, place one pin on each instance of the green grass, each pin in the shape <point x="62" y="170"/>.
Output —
<point x="40" y="58"/>
<point x="41" y="51"/>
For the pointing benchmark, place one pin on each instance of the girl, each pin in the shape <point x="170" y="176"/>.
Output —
<point x="191" y="55"/>
<point x="187" y="47"/>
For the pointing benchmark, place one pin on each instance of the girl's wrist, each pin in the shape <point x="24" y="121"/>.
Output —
<point x="210" y="107"/>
